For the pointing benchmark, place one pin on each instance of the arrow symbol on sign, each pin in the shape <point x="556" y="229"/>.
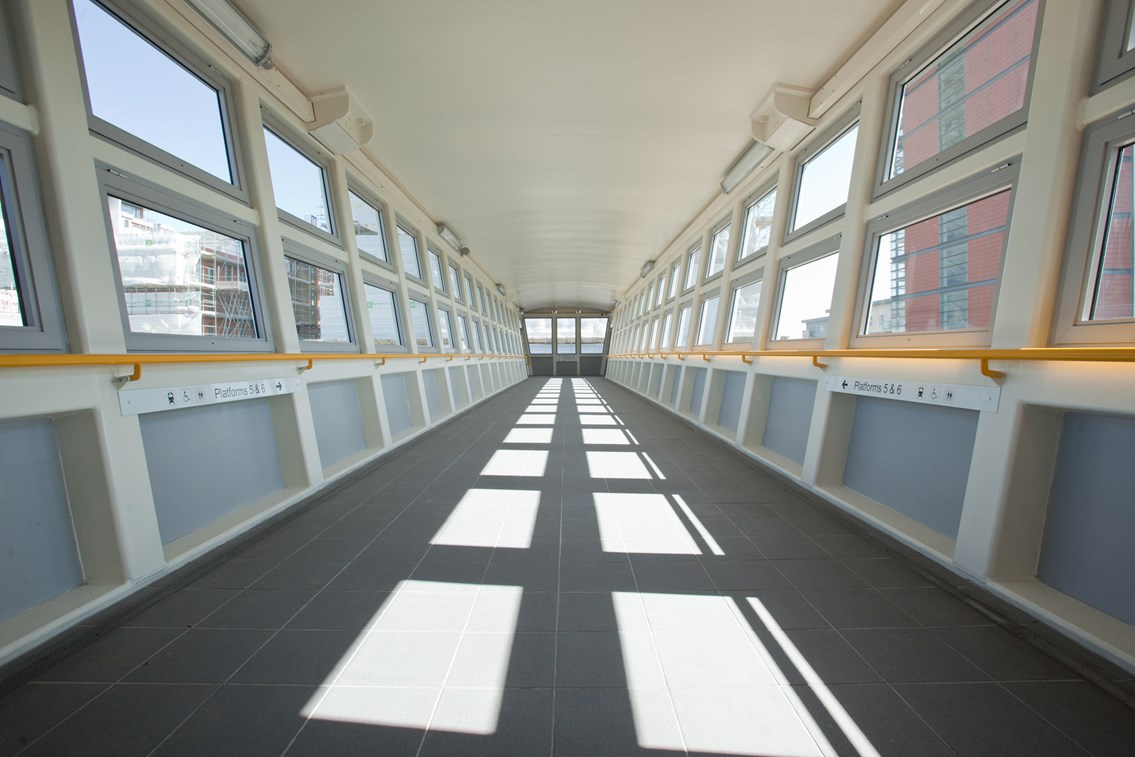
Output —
<point x="279" y="386"/>
<point x="845" y="383"/>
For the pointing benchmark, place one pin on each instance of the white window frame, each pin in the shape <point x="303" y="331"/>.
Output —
<point x="969" y="19"/>
<point x="167" y="45"/>
<point x="817" y="145"/>
<point x="821" y="249"/>
<point x="454" y="273"/>
<point x="750" y="203"/>
<point x="751" y="277"/>
<point x="705" y="298"/>
<point x="392" y="289"/>
<point x="423" y="299"/>
<point x="1092" y="197"/>
<point x="153" y="197"/>
<point x="440" y="286"/>
<point x="303" y="253"/>
<point x="990" y="182"/>
<point x="322" y="161"/>
<point x="384" y="232"/>
<point x="1115" y="62"/>
<point x="717" y="229"/>
<point x="412" y="231"/>
<point x="691" y="280"/>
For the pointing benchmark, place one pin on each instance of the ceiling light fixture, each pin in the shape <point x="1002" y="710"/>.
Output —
<point x="236" y="27"/>
<point x="464" y="252"/>
<point x="647" y="267"/>
<point x="501" y="290"/>
<point x="744" y="165"/>
<point x="450" y="238"/>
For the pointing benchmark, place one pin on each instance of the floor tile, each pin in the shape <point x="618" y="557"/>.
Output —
<point x="112" y="656"/>
<point x="858" y="608"/>
<point x="1092" y="718"/>
<point x="340" y="610"/>
<point x="31" y="711"/>
<point x="746" y="575"/>
<point x="499" y="660"/>
<point x="711" y="659"/>
<point x="756" y="720"/>
<point x="200" y="655"/>
<point x="258" y="608"/>
<point x="184" y="609"/>
<point x="298" y="657"/>
<point x="616" y="722"/>
<point x="367" y="721"/>
<point x="935" y="607"/>
<point x="816" y="574"/>
<point x="400" y="658"/>
<point x="1003" y="656"/>
<point x="904" y="655"/>
<point x="856" y="715"/>
<point x="488" y="723"/>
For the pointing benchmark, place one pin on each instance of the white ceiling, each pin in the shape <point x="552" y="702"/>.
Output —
<point x="566" y="142"/>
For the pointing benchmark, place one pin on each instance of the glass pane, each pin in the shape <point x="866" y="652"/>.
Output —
<point x="653" y="343"/>
<point x="592" y="332"/>
<point x="825" y="179"/>
<point x="11" y="306"/>
<point x="682" y="341"/>
<point x="463" y="332"/>
<point x="469" y="290"/>
<point x="974" y="83"/>
<point x="298" y="183"/>
<point x="420" y="320"/>
<point x="383" y="313"/>
<point x="317" y="302"/>
<point x="368" y="228"/>
<point x="758" y="224"/>
<point x="565" y="336"/>
<point x="807" y="299"/>
<point x="661" y="291"/>
<point x="178" y="277"/>
<point x="743" y="318"/>
<point x="481" y="298"/>
<point x="479" y="336"/>
<point x="941" y="274"/>
<point x="717" y="251"/>
<point x="539" y="335"/>
<point x="408" y="246"/>
<point x="666" y="336"/>
<point x="1114" y="286"/>
<point x="708" y="320"/>
<point x="443" y="330"/>
<point x="692" y="263"/>
<point x="435" y="270"/>
<point x="675" y="277"/>
<point x="455" y="282"/>
<point x="141" y="90"/>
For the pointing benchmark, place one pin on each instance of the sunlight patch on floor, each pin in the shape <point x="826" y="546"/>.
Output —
<point x="607" y="436"/>
<point x="529" y="436"/>
<point x="641" y="524"/>
<point x="517" y="462"/>
<point x="616" y="465"/>
<point x="491" y="518"/>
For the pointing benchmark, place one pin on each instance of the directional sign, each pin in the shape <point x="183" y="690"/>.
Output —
<point x="963" y="396"/>
<point x="138" y="401"/>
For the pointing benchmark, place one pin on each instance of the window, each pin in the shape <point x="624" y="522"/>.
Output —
<point x="652" y="343"/>
<point x="718" y="249"/>
<point x="184" y="273"/>
<point x="675" y="277"/>
<point x="420" y="321"/>
<point x="682" y="341"/>
<point x="708" y="321"/>
<point x="693" y="260"/>
<point x="463" y="333"/>
<point x="806" y="293"/>
<point x="758" y="225"/>
<point x="455" y="282"/>
<point x="661" y="291"/>
<point x="299" y="184"/>
<point x="743" y="314"/>
<point x="490" y="343"/>
<point x="969" y="86"/>
<point x="1117" y="44"/>
<point x="940" y="271"/>
<point x="408" y="247"/>
<point x="30" y="317"/>
<point x="565" y="336"/>
<point x="1097" y="304"/>
<point x="592" y="334"/>
<point x="436" y="270"/>
<point x="539" y="335"/>
<point x="648" y="301"/>
<point x="370" y="234"/>
<point x="444" y="330"/>
<point x="823" y="179"/>
<point x="318" y="301"/>
<point x="667" y="322"/>
<point x="182" y="113"/>
<point x="382" y="309"/>
<point x="481" y="300"/>
<point x="479" y="336"/>
<point x="469" y="291"/>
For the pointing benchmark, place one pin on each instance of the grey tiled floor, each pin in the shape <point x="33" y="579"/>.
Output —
<point x="563" y="570"/>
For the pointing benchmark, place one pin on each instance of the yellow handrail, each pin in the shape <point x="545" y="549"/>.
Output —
<point x="1061" y="354"/>
<point x="44" y="360"/>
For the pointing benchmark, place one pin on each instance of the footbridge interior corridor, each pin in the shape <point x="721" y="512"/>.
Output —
<point x="564" y="569"/>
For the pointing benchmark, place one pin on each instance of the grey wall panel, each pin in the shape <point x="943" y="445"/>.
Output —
<point x="38" y="556"/>
<point x="434" y="385"/>
<point x="912" y="458"/>
<point x="338" y="420"/>
<point x="1089" y="533"/>
<point x="205" y="462"/>
<point x="475" y="382"/>
<point x="672" y="378"/>
<point x="732" y="392"/>
<point x="656" y="380"/>
<point x="590" y="366"/>
<point x="542" y="365"/>
<point x="397" y="402"/>
<point x="697" y="390"/>
<point x="789" y="415"/>
<point x="460" y="392"/>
